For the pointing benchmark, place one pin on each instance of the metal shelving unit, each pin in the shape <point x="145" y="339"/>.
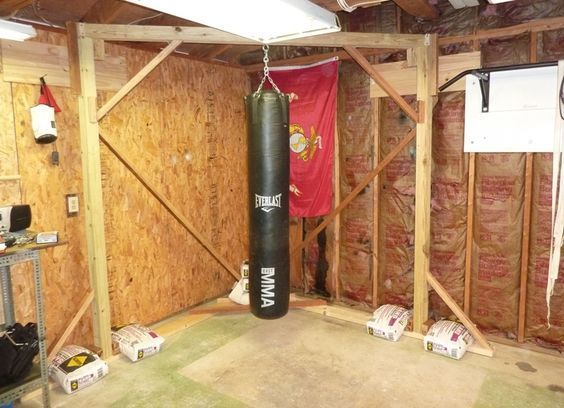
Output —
<point x="38" y="377"/>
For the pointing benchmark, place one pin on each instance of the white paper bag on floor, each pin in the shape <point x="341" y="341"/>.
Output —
<point x="75" y="368"/>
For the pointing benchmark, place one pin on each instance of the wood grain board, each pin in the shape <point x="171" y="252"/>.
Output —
<point x="25" y="62"/>
<point x="402" y="76"/>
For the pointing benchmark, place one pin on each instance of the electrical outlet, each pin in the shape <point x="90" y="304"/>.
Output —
<point x="72" y="205"/>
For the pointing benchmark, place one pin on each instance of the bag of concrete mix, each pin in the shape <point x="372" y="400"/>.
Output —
<point x="240" y="292"/>
<point x="75" y="368"/>
<point x="388" y="322"/>
<point x="137" y="342"/>
<point x="448" y="338"/>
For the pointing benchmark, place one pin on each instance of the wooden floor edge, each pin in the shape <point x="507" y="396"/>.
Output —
<point x="222" y="306"/>
<point x="360" y="317"/>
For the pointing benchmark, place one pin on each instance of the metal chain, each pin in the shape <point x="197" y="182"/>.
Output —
<point x="266" y="74"/>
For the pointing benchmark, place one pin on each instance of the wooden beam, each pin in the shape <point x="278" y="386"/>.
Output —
<point x="546" y="24"/>
<point x="525" y="244"/>
<point x="92" y="181"/>
<point x="309" y="59"/>
<point x="426" y="70"/>
<point x="375" y="202"/>
<point x="379" y="79"/>
<point x="333" y="5"/>
<point x="337" y="227"/>
<point x="25" y="62"/>
<point x="106" y="11"/>
<point x="230" y="307"/>
<point x="403" y="78"/>
<point x="208" y="246"/>
<point x="10" y="178"/>
<point x="206" y="35"/>
<point x="8" y="7"/>
<point x="84" y="305"/>
<point x="133" y="82"/>
<point x="216" y="51"/>
<point x="418" y="8"/>
<point x="469" y="231"/>
<point x="528" y="203"/>
<point x="459" y="313"/>
<point x="356" y="191"/>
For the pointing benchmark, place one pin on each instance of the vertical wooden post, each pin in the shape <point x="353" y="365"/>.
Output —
<point x="469" y="231"/>
<point x="337" y="225"/>
<point x="426" y="76"/>
<point x="375" y="201"/>
<point x="83" y="54"/>
<point x="528" y="198"/>
<point x="525" y="244"/>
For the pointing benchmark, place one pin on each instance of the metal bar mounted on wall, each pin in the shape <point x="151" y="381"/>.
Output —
<point x="483" y="75"/>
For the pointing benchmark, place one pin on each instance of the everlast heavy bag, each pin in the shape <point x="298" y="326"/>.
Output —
<point x="269" y="172"/>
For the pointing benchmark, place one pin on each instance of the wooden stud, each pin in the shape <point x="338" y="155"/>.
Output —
<point x="533" y="26"/>
<point x="469" y="231"/>
<point x="337" y="226"/>
<point x="92" y="180"/>
<point x="375" y="202"/>
<point x="84" y="305"/>
<point x="99" y="50"/>
<point x="356" y="191"/>
<point x="206" y="35"/>
<point x="426" y="69"/>
<point x="10" y="178"/>
<point x="208" y="246"/>
<point x="525" y="244"/>
<point x="379" y="79"/>
<point x="459" y="313"/>
<point x="528" y="203"/>
<point x="133" y="82"/>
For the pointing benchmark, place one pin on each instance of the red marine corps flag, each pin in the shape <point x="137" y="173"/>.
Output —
<point x="313" y="91"/>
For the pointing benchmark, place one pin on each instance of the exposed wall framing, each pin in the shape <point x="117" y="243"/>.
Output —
<point x="425" y="50"/>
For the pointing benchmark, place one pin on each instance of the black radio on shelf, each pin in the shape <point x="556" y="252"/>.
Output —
<point x="14" y="218"/>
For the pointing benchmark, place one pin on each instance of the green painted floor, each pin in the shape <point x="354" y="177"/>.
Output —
<point x="306" y="360"/>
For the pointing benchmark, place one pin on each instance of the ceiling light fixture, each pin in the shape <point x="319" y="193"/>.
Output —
<point x="16" y="31"/>
<point x="266" y="22"/>
<point x="498" y="1"/>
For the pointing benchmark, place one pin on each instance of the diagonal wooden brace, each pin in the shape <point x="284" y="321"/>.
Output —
<point x="172" y="210"/>
<point x="379" y="79"/>
<point x="356" y="191"/>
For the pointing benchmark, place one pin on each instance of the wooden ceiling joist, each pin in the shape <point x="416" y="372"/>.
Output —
<point x="418" y="8"/>
<point x="9" y="7"/>
<point x="310" y="59"/>
<point x="534" y="26"/>
<point x="205" y="35"/>
<point x="106" y="11"/>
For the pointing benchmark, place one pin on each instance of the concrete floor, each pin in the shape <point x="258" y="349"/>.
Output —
<point x="307" y="360"/>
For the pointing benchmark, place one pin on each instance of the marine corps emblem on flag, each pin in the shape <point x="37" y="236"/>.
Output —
<point x="302" y="145"/>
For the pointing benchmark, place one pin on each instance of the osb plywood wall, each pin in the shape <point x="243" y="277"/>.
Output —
<point x="184" y="129"/>
<point x="43" y="186"/>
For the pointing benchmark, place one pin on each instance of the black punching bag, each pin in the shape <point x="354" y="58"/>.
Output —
<point x="269" y="172"/>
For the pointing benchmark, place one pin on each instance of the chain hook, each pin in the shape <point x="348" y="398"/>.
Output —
<point x="266" y="74"/>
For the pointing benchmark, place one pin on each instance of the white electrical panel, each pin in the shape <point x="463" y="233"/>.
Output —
<point x="522" y="112"/>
